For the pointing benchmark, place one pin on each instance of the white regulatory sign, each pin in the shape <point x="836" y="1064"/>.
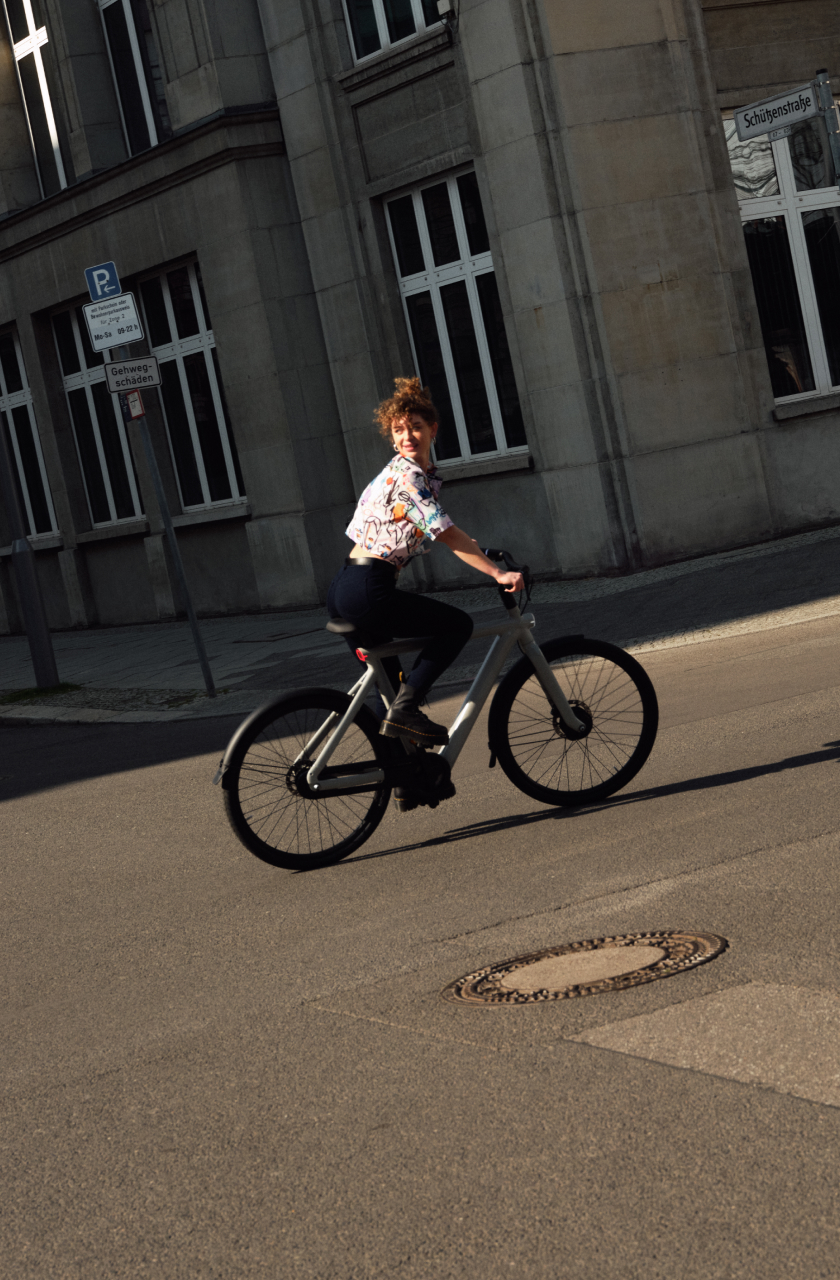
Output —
<point x="132" y="375"/>
<point x="772" y="113"/>
<point x="113" y="323"/>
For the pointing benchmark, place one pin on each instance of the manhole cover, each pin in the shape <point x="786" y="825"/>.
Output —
<point x="586" y="968"/>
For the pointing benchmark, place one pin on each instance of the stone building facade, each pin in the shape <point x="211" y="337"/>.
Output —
<point x="630" y="322"/>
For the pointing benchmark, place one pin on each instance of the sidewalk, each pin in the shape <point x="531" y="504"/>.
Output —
<point x="149" y="672"/>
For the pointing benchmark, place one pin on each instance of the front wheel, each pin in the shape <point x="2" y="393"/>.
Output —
<point x="610" y="693"/>
<point x="267" y="800"/>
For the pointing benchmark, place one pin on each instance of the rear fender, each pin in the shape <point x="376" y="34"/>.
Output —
<point x="245" y="727"/>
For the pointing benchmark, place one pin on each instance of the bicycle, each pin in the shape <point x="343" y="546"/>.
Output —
<point x="307" y="778"/>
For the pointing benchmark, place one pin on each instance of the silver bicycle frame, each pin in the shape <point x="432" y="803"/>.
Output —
<point x="516" y="630"/>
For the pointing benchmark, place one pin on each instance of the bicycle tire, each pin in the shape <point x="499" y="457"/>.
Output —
<point x="271" y="817"/>
<point x="609" y="690"/>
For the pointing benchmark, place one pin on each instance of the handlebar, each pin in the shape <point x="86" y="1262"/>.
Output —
<point x="499" y="556"/>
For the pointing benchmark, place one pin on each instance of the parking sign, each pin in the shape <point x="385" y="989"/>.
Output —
<point x="103" y="281"/>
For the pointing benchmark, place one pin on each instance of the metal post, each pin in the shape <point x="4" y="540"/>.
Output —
<point x="177" y="562"/>
<point x="829" y="114"/>
<point x="26" y="576"/>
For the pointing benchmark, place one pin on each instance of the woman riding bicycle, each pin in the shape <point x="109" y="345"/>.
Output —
<point x="397" y="515"/>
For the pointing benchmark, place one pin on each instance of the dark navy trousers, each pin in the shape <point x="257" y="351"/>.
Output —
<point x="367" y="596"/>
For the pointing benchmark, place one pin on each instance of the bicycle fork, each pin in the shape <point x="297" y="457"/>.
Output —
<point x="550" y="686"/>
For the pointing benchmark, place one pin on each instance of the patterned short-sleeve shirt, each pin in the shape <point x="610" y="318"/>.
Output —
<point x="399" y="512"/>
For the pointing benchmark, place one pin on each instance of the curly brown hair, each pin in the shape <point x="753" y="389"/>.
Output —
<point x="409" y="397"/>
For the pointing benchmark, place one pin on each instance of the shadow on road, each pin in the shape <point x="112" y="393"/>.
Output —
<point x="37" y="758"/>
<point x="830" y="751"/>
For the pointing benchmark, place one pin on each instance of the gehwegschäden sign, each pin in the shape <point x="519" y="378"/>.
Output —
<point x="774" y="113"/>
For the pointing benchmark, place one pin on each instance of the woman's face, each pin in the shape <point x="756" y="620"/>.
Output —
<point x="413" y="438"/>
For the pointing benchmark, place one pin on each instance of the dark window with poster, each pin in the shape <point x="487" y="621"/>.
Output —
<point x="790" y="211"/>
<point x="451" y="299"/>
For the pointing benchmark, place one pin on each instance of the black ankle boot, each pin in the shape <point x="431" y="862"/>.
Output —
<point x="431" y="783"/>
<point x="406" y="720"/>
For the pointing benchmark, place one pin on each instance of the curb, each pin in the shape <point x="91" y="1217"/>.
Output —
<point x="773" y="621"/>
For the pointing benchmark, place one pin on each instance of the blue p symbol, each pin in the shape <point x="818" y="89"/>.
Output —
<point x="103" y="281"/>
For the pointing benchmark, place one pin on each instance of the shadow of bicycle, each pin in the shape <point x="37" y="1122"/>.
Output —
<point x="830" y="751"/>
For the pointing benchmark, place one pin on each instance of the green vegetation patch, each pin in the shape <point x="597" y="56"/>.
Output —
<point x="32" y="695"/>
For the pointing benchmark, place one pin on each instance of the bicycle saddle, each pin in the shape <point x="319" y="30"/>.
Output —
<point x="341" y="627"/>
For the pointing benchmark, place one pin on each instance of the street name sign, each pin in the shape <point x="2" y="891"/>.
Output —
<point x="773" y="113"/>
<point x="113" y="323"/>
<point x="131" y="375"/>
<point x="102" y="281"/>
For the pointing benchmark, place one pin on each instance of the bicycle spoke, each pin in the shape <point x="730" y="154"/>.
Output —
<point x="289" y="825"/>
<point x="605" y="687"/>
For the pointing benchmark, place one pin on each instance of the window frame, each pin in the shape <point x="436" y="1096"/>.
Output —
<point x="468" y="268"/>
<point x="85" y="379"/>
<point x="139" y="71"/>
<point x="790" y="204"/>
<point x="386" y="45"/>
<point x="33" y="44"/>
<point x="9" y="401"/>
<point x="178" y="349"/>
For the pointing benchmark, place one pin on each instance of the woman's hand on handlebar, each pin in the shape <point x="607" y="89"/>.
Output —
<point x="511" y="581"/>
<point x="468" y="550"/>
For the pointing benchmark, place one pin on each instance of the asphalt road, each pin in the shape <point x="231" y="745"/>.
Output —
<point x="216" y="1069"/>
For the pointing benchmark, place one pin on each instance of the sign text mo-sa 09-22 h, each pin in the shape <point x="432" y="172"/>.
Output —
<point x="113" y="323"/>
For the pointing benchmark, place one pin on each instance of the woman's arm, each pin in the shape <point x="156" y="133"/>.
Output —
<point x="468" y="550"/>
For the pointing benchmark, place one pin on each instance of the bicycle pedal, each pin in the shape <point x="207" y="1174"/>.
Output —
<point x="404" y="806"/>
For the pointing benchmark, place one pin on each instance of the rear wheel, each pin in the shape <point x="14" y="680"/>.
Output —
<point x="610" y="693"/>
<point x="268" y="802"/>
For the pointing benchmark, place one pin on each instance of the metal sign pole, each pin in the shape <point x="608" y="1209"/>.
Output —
<point x="829" y="115"/>
<point x="177" y="562"/>
<point x="109" y="313"/>
<point x="26" y="576"/>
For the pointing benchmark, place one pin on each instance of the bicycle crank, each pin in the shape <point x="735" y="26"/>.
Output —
<point x="422" y="780"/>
